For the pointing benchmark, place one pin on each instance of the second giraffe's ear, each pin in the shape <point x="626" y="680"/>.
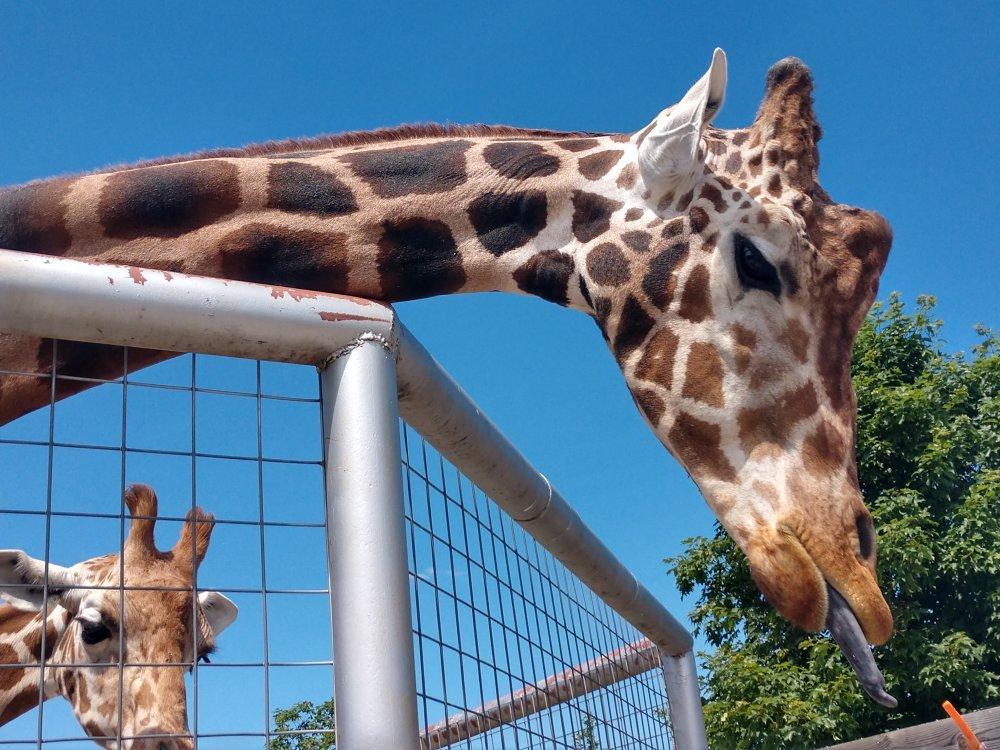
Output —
<point x="22" y="582"/>
<point x="220" y="611"/>
<point x="668" y="152"/>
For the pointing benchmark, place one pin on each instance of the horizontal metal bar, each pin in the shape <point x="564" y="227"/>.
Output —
<point x="108" y="304"/>
<point x="572" y="683"/>
<point x="103" y="303"/>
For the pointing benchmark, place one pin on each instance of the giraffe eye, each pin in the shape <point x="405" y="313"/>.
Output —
<point x="752" y="268"/>
<point x="93" y="633"/>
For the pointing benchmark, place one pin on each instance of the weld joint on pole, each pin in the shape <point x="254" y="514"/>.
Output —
<point x="548" y="501"/>
<point x="390" y="344"/>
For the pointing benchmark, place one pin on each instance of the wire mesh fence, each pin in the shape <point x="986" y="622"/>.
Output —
<point x="502" y="632"/>
<point x="495" y="613"/>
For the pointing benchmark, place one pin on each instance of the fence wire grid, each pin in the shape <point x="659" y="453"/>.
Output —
<point x="493" y="612"/>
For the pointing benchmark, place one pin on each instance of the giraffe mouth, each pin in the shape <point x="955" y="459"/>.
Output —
<point x="846" y="632"/>
<point x="845" y="628"/>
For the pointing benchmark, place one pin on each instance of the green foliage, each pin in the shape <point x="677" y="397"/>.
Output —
<point x="929" y="466"/>
<point x="305" y="717"/>
<point x="586" y="738"/>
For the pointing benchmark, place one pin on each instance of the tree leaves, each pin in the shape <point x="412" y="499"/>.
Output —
<point x="306" y="726"/>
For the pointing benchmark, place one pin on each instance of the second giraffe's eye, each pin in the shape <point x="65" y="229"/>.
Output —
<point x="93" y="633"/>
<point x="752" y="268"/>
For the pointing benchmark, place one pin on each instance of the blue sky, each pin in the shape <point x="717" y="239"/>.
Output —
<point x="905" y="93"/>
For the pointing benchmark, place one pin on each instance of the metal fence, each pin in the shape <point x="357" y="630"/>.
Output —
<point x="522" y="630"/>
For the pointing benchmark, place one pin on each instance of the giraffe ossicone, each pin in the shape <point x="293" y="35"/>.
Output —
<point x="89" y="640"/>
<point x="726" y="281"/>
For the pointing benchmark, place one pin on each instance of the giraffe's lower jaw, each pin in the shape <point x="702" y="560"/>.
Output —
<point x="846" y="631"/>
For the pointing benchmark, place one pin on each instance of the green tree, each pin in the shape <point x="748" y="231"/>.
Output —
<point x="307" y="721"/>
<point x="586" y="738"/>
<point x="929" y="466"/>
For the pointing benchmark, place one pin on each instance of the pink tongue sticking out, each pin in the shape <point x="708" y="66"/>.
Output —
<point x="846" y="631"/>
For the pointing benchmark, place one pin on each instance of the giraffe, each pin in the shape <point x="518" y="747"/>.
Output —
<point x="727" y="283"/>
<point x="86" y="630"/>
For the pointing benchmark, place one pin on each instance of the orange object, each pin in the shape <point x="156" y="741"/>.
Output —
<point x="970" y="737"/>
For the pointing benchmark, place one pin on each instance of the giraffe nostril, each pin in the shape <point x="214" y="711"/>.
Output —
<point x="866" y="535"/>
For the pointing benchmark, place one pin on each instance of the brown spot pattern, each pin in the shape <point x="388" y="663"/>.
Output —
<point x="591" y="215"/>
<point x="306" y="188"/>
<point x="797" y="340"/>
<point x="659" y="282"/>
<point x="698" y="446"/>
<point x="632" y="214"/>
<point x="627" y="179"/>
<point x="595" y="166"/>
<point x="505" y="221"/>
<point x="519" y="160"/>
<point x="696" y="303"/>
<point x="271" y="254"/>
<point x="673" y="228"/>
<point x="578" y="144"/>
<point x="711" y="193"/>
<point x="744" y="342"/>
<point x="168" y="201"/>
<point x="773" y="423"/>
<point x="703" y="381"/>
<point x="685" y="200"/>
<point x="823" y="450"/>
<point x="417" y="258"/>
<point x="546" y="275"/>
<point x="607" y="265"/>
<point x="633" y="325"/>
<point x="651" y="404"/>
<point x="408" y="170"/>
<point x="33" y="218"/>
<point x="637" y="240"/>
<point x="699" y="219"/>
<point x="657" y="363"/>
<point x="33" y="641"/>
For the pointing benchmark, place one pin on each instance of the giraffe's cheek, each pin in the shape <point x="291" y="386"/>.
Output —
<point x="790" y="580"/>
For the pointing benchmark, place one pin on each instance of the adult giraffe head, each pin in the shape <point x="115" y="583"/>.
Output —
<point x="145" y="647"/>
<point x="735" y="339"/>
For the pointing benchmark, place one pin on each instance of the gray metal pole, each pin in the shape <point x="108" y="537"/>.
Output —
<point x="375" y="683"/>
<point x="680" y="674"/>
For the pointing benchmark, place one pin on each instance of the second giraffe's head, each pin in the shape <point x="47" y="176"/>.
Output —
<point x="134" y="635"/>
<point x="731" y="303"/>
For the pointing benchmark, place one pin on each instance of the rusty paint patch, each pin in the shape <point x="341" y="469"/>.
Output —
<point x="332" y="317"/>
<point x="296" y="294"/>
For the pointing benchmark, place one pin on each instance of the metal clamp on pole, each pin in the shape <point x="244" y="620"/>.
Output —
<point x="374" y="674"/>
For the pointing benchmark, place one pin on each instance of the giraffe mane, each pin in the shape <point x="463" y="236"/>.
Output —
<point x="355" y="138"/>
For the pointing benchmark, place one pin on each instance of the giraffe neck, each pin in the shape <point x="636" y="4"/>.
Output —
<point x="431" y="213"/>
<point x="393" y="221"/>
<point x="21" y="645"/>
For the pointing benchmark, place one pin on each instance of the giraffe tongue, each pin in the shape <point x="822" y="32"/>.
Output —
<point x="846" y="631"/>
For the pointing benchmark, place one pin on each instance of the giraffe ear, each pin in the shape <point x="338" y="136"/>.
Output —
<point x="22" y="582"/>
<point x="668" y="153"/>
<point x="220" y="611"/>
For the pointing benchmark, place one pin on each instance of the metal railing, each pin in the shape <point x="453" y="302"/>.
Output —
<point x="372" y="371"/>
